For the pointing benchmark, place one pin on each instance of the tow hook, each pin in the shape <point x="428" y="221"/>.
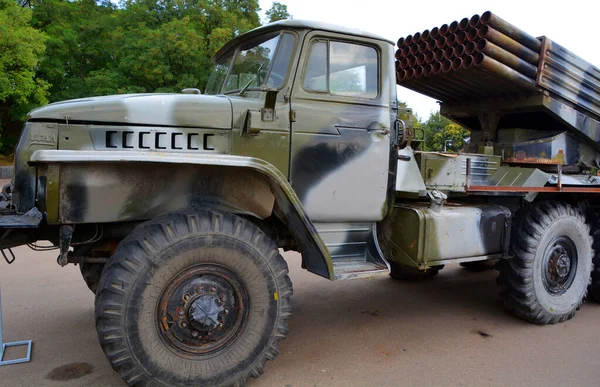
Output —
<point x="64" y="242"/>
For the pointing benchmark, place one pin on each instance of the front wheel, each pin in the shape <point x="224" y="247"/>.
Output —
<point x="546" y="281"/>
<point x="193" y="299"/>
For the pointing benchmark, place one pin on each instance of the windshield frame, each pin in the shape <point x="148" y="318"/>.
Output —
<point x="261" y="38"/>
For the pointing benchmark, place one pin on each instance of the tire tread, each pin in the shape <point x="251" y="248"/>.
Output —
<point x="119" y="274"/>
<point x="515" y="277"/>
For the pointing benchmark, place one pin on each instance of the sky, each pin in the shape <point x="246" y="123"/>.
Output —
<point x="571" y="24"/>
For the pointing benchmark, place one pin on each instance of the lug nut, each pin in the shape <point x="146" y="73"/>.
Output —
<point x="195" y="333"/>
<point x="226" y="310"/>
<point x="184" y="324"/>
<point x="213" y="289"/>
<point x="181" y="312"/>
<point x="186" y="297"/>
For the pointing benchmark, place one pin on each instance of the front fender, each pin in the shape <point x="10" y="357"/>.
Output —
<point x="59" y="194"/>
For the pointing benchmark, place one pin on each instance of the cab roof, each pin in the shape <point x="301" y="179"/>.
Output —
<point x="297" y="24"/>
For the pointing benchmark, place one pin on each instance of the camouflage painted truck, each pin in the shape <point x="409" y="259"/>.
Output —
<point x="176" y="206"/>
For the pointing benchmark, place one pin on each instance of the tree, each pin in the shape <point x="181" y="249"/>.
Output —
<point x="95" y="48"/>
<point x="278" y="11"/>
<point x="81" y="40"/>
<point x="20" y="49"/>
<point x="438" y="129"/>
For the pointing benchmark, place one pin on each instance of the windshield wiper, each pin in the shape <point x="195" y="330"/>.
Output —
<point x="247" y="85"/>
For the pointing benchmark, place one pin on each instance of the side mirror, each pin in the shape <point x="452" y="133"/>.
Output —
<point x="400" y="134"/>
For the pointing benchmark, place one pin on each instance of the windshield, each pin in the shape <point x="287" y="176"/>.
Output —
<point x="215" y="82"/>
<point x="258" y="64"/>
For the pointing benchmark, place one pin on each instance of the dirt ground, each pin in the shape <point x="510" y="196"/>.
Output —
<point x="448" y="331"/>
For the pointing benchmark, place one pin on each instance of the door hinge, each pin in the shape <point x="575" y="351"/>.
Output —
<point x="292" y="116"/>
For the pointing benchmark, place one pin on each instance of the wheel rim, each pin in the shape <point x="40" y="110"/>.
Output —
<point x="202" y="309"/>
<point x="560" y="265"/>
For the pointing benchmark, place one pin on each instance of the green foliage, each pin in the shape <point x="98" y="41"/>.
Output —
<point x="143" y="46"/>
<point x="438" y="129"/>
<point x="54" y="50"/>
<point x="20" y="48"/>
<point x="406" y="114"/>
<point x="277" y="11"/>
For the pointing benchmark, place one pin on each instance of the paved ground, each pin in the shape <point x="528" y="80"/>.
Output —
<point x="449" y="331"/>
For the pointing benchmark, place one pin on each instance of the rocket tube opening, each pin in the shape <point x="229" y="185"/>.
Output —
<point x="474" y="21"/>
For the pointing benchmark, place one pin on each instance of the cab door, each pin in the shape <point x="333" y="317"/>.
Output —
<point x="261" y="124"/>
<point x="340" y="130"/>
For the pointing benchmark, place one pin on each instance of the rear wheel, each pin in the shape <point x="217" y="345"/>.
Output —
<point x="197" y="298"/>
<point x="407" y="273"/>
<point x="546" y="281"/>
<point x="594" y="288"/>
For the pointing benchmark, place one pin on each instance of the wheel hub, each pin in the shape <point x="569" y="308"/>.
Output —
<point x="563" y="266"/>
<point x="560" y="265"/>
<point x="204" y="312"/>
<point x="202" y="309"/>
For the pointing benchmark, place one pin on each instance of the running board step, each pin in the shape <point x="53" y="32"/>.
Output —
<point x="354" y="249"/>
<point x="358" y="269"/>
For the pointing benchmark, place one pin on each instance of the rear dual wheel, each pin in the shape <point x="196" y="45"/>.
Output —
<point x="196" y="298"/>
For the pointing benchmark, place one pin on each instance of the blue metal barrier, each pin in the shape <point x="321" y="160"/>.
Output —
<point x="3" y="345"/>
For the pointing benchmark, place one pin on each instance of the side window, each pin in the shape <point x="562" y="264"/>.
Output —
<point x="340" y="68"/>
<point x="316" y="71"/>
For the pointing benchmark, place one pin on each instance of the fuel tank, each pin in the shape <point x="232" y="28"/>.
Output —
<point x="421" y="235"/>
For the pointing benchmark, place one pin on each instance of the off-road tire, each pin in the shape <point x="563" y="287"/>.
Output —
<point x="91" y="273"/>
<point x="402" y="272"/>
<point x="479" y="266"/>
<point x="539" y="231"/>
<point x="594" y="288"/>
<point x="150" y="259"/>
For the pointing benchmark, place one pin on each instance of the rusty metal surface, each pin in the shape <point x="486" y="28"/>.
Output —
<point x="488" y="18"/>
<point x="498" y="66"/>
<point x="202" y="310"/>
<point x="471" y="61"/>
<point x="488" y="48"/>
<point x="562" y="149"/>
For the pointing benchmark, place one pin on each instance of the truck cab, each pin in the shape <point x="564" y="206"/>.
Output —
<point x="323" y="102"/>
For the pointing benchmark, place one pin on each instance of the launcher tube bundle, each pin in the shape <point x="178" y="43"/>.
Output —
<point x="486" y="57"/>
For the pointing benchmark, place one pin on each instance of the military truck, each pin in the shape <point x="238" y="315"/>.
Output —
<point x="176" y="206"/>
